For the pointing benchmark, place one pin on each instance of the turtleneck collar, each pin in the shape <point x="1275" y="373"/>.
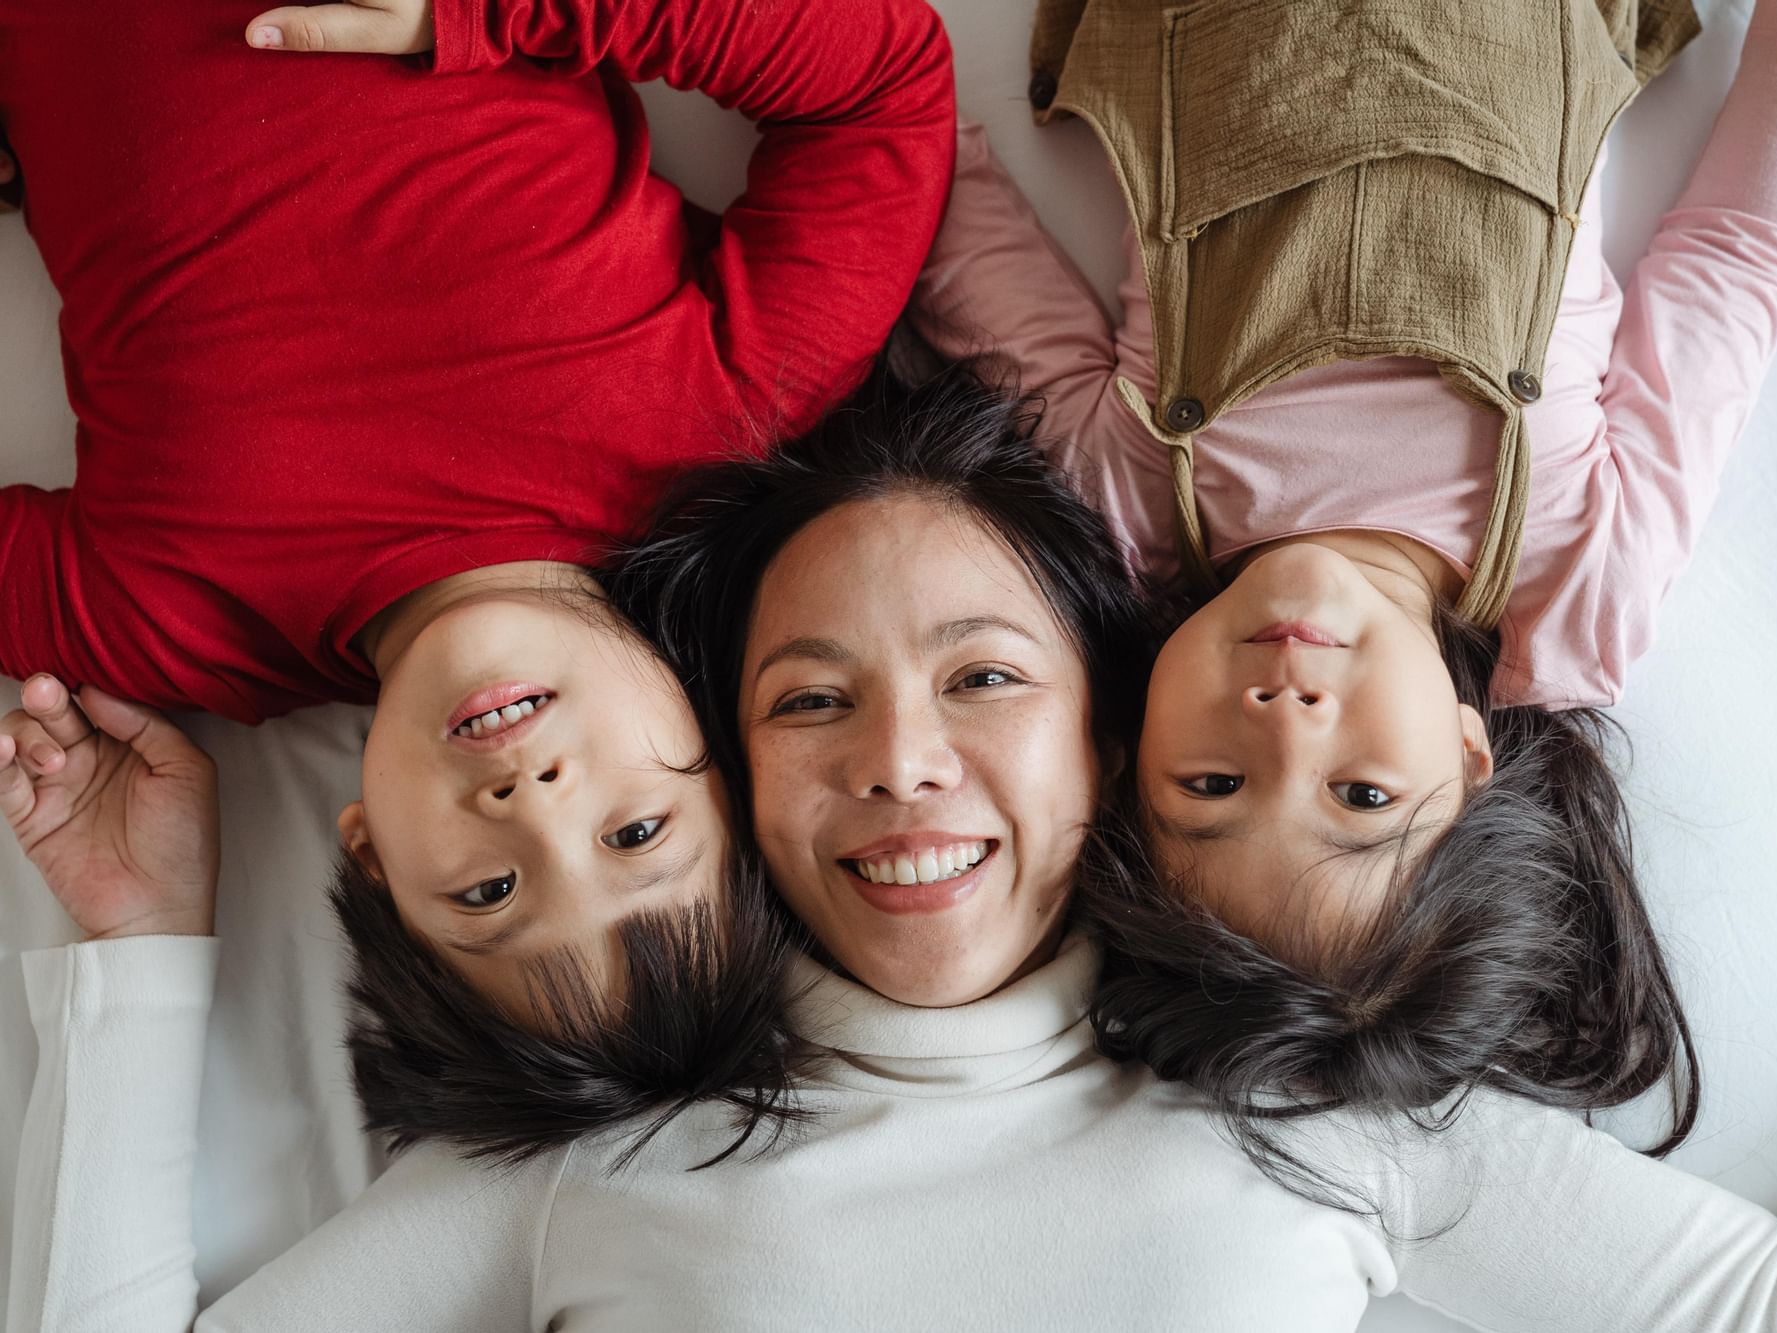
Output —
<point x="1016" y="1035"/>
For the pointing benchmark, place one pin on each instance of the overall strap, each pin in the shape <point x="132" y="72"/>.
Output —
<point x="1483" y="601"/>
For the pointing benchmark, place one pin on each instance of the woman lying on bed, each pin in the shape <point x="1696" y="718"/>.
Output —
<point x="369" y="362"/>
<point x="921" y="650"/>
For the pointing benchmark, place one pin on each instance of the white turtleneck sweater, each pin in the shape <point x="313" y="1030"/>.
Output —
<point x="970" y="1168"/>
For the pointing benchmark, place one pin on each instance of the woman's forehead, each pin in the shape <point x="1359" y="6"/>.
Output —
<point x="910" y="557"/>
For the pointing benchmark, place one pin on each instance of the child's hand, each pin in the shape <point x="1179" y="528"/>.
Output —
<point x="116" y="808"/>
<point x="379" y="27"/>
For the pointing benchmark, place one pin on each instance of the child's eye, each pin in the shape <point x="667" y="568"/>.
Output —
<point x="631" y="836"/>
<point x="1361" y="795"/>
<point x="1213" y="785"/>
<point x="812" y="702"/>
<point x="489" y="892"/>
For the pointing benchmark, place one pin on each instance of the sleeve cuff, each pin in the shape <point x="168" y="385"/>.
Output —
<point x="79" y="982"/>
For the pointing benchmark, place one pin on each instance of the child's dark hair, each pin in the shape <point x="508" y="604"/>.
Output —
<point x="699" y="1018"/>
<point x="948" y="436"/>
<point x="1518" y="957"/>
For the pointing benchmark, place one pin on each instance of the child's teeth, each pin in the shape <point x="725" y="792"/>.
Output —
<point x="526" y="707"/>
<point x="511" y="713"/>
<point x="475" y="726"/>
<point x="491" y="719"/>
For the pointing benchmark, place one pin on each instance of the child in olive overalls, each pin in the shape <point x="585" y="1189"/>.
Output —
<point x="1379" y="413"/>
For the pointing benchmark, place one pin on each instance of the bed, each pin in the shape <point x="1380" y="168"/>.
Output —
<point x="281" y="1149"/>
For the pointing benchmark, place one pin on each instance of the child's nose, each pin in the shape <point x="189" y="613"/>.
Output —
<point x="529" y="782"/>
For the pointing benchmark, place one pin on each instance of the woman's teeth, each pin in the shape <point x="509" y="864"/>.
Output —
<point x="922" y="867"/>
<point x="501" y="718"/>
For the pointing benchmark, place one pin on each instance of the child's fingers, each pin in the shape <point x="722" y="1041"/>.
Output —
<point x="18" y="797"/>
<point x="391" y="29"/>
<point x="47" y="699"/>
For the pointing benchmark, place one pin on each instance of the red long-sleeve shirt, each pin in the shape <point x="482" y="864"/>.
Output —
<point x="335" y="328"/>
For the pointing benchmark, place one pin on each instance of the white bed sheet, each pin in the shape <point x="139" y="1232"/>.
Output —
<point x="281" y="1149"/>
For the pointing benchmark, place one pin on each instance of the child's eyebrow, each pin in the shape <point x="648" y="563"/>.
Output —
<point x="1185" y="831"/>
<point x="669" y="872"/>
<point x="492" y="943"/>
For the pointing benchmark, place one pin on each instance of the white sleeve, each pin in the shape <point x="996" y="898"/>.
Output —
<point x="1520" y="1217"/>
<point x="102" y="1217"/>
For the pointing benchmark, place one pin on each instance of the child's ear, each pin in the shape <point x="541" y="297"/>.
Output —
<point x="1477" y="750"/>
<point x="354" y="834"/>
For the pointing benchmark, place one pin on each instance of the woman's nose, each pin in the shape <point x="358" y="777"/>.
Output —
<point x="907" y="755"/>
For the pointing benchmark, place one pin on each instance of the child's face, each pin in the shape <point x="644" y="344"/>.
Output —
<point x="909" y="704"/>
<point x="1284" y="772"/>
<point x="502" y="847"/>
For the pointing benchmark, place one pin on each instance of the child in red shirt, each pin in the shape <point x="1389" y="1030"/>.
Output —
<point x="368" y="360"/>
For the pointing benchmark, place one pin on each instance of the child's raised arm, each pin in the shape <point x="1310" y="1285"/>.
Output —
<point x="855" y="104"/>
<point x="1693" y="343"/>
<point x="997" y="284"/>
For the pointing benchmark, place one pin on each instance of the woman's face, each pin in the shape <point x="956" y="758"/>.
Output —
<point x="918" y="731"/>
<point x="508" y="832"/>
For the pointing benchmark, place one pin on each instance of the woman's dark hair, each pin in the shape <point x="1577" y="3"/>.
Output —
<point x="1518" y="957"/>
<point x="950" y="437"/>
<point x="698" y="1018"/>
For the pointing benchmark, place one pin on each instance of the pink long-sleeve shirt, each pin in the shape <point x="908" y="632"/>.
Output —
<point x="1645" y="390"/>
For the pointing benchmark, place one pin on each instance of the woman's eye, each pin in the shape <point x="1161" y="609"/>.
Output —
<point x="1213" y="785"/>
<point x="489" y="892"/>
<point x="631" y="836"/>
<point x="1361" y="795"/>
<point x="987" y="678"/>
<point x="806" y="703"/>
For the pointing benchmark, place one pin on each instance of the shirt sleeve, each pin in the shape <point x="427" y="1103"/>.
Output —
<point x="31" y="581"/>
<point x="1519" y="1217"/>
<point x="997" y="286"/>
<point x="1694" y="341"/>
<point x="855" y="103"/>
<point x="102" y="1215"/>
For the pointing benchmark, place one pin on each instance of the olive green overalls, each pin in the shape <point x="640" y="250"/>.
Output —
<point x="1321" y="180"/>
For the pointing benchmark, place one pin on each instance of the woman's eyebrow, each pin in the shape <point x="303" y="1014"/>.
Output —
<point x="808" y="649"/>
<point x="953" y="632"/>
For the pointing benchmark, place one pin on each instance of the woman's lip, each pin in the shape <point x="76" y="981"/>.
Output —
<point x="917" y="841"/>
<point x="1299" y="630"/>
<point x="913" y="899"/>
<point x="491" y="699"/>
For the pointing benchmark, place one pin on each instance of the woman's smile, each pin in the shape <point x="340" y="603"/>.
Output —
<point x="920" y="873"/>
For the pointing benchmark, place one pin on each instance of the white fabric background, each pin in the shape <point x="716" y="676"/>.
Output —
<point x="280" y="1146"/>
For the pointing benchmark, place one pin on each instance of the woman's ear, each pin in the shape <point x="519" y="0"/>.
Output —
<point x="354" y="835"/>
<point x="1477" y="750"/>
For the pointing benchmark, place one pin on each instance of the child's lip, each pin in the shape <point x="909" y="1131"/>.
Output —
<point x="492" y="698"/>
<point x="1298" y="630"/>
<point x="509" y="734"/>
